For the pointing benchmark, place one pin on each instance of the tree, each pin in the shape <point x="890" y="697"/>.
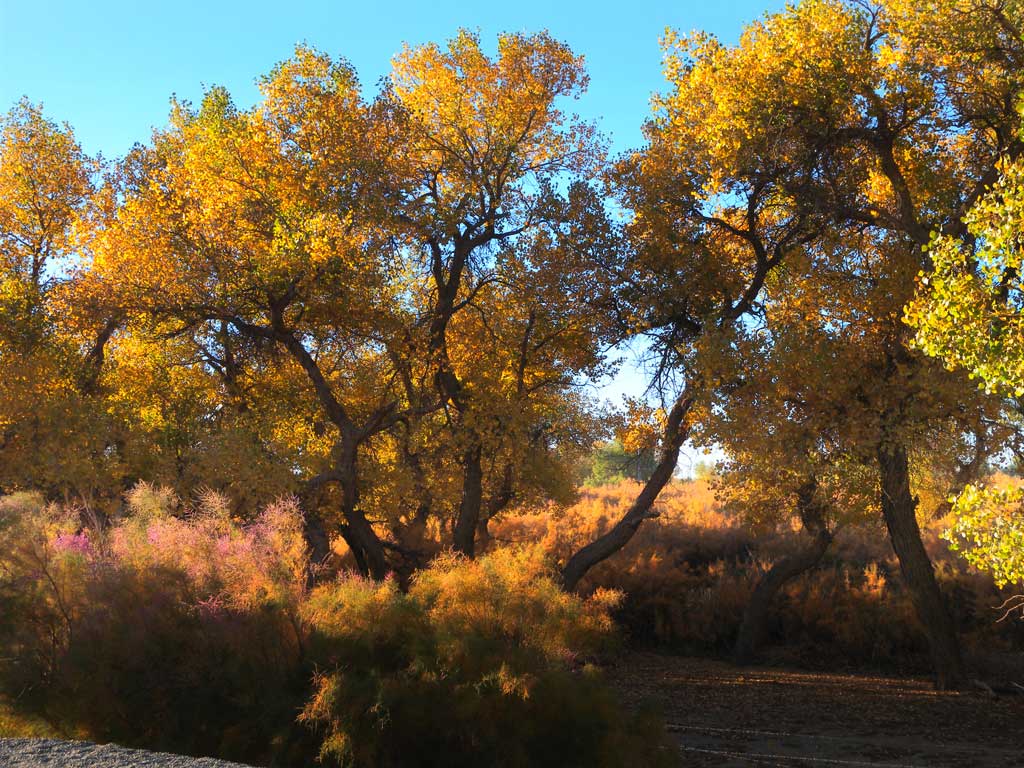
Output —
<point x="968" y="314"/>
<point x="804" y="381"/>
<point x="54" y="433"/>
<point x="406" y="274"/>
<point x="709" y="221"/>
<point x="967" y="311"/>
<point x="487" y="147"/>
<point x="887" y="122"/>
<point x="234" y="233"/>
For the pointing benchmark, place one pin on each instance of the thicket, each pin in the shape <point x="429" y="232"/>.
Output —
<point x="480" y="663"/>
<point x="181" y="629"/>
<point x="688" y="575"/>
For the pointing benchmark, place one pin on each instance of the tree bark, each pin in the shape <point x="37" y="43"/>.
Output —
<point x="366" y="545"/>
<point x="367" y="548"/>
<point x="319" y="543"/>
<point x="812" y="516"/>
<point x="899" y="508"/>
<point x="464" y="534"/>
<point x="495" y="505"/>
<point x="94" y="358"/>
<point x="359" y="534"/>
<point x="618" y="536"/>
<point x="314" y="530"/>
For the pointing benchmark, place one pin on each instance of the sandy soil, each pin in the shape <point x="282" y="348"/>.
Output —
<point x="53" y="753"/>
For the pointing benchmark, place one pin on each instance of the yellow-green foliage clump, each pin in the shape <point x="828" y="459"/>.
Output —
<point x="988" y="529"/>
<point x="480" y="663"/>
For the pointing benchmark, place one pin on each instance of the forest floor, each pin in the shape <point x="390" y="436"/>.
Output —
<point x="731" y="717"/>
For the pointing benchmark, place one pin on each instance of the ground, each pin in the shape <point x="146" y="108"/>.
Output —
<point x="53" y="753"/>
<point x="728" y="717"/>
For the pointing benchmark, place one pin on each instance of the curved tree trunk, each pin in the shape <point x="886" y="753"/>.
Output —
<point x="899" y="508"/>
<point x="812" y="516"/>
<point x="366" y="545"/>
<point x="367" y="548"/>
<point x="619" y="535"/>
<point x="314" y="530"/>
<point x="356" y="549"/>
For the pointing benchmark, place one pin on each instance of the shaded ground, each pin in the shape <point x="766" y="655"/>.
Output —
<point x="728" y="717"/>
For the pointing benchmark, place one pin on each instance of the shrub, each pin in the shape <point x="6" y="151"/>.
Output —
<point x="184" y="630"/>
<point x="480" y="663"/>
<point x="172" y="633"/>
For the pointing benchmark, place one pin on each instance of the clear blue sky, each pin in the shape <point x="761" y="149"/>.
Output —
<point x="109" y="67"/>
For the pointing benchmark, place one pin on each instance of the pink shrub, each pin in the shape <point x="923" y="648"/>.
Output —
<point x="73" y="543"/>
<point x="173" y="628"/>
<point x="242" y="566"/>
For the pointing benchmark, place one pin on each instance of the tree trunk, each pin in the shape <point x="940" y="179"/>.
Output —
<point x="359" y="534"/>
<point x="495" y="505"/>
<point x="357" y="551"/>
<point x="898" y="508"/>
<point x="366" y="546"/>
<point x="619" y="535"/>
<point x="318" y="541"/>
<point x="812" y="515"/>
<point x="314" y="531"/>
<point x="464" y="534"/>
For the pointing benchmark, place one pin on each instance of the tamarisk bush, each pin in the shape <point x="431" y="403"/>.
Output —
<point x="163" y="631"/>
<point x="473" y="666"/>
<point x="182" y="629"/>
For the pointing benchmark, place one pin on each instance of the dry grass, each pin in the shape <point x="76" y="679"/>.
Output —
<point x="17" y="725"/>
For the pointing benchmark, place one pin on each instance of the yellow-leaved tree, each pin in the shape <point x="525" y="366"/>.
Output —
<point x="883" y="123"/>
<point x="404" y="284"/>
<point x="55" y="434"/>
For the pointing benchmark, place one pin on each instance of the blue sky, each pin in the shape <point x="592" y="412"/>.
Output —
<point x="110" y="67"/>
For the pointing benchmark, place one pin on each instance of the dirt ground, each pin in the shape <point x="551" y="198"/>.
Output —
<point x="728" y="717"/>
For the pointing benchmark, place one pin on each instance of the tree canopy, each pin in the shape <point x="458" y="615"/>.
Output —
<point x="391" y="305"/>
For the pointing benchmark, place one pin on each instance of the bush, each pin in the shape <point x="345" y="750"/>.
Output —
<point x="172" y="633"/>
<point x="480" y="663"/>
<point x="184" y="630"/>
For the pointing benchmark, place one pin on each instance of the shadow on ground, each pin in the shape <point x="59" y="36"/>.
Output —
<point x="729" y="717"/>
